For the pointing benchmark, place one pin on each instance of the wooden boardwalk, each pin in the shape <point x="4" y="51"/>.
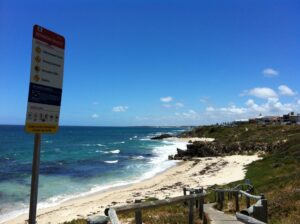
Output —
<point x="218" y="217"/>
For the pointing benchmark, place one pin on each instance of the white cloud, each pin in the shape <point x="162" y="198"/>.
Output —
<point x="285" y="90"/>
<point x="250" y="103"/>
<point x="233" y="110"/>
<point x="253" y="107"/>
<point x="262" y="92"/>
<point x="120" y="109"/>
<point x="190" y="114"/>
<point x="95" y="116"/>
<point x="179" y="105"/>
<point x="272" y="106"/>
<point x="270" y="72"/>
<point x="210" y="109"/>
<point x="166" y="99"/>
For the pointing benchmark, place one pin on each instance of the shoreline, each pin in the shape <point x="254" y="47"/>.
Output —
<point x="97" y="189"/>
<point x="168" y="183"/>
<point x="200" y="172"/>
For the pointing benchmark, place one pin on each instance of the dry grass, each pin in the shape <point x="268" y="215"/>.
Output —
<point x="171" y="214"/>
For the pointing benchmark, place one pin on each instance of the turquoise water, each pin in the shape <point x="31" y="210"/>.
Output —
<point x="78" y="161"/>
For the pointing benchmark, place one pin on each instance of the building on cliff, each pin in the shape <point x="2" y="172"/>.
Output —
<point x="290" y="118"/>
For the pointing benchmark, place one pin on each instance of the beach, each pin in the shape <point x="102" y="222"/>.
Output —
<point x="199" y="172"/>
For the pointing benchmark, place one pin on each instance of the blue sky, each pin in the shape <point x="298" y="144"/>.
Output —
<point x="157" y="62"/>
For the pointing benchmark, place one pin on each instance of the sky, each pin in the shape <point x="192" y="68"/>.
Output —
<point x="158" y="62"/>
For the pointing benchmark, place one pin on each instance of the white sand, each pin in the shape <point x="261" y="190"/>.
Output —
<point x="202" y="172"/>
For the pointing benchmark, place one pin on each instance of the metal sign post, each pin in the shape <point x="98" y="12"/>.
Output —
<point x="35" y="178"/>
<point x="44" y="99"/>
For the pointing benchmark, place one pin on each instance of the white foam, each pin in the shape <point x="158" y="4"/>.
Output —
<point x="145" y="139"/>
<point x="12" y="215"/>
<point x="160" y="163"/>
<point x="116" y="151"/>
<point x="115" y="143"/>
<point x="137" y="157"/>
<point x="162" y="152"/>
<point x="88" y="145"/>
<point x="111" y="161"/>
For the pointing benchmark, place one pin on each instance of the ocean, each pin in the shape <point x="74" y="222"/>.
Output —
<point x="78" y="161"/>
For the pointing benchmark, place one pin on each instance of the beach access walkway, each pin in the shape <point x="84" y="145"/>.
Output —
<point x="218" y="217"/>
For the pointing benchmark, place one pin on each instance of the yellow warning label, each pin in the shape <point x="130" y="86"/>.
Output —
<point x="41" y="128"/>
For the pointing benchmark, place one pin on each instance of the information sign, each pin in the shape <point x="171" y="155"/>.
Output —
<point x="46" y="79"/>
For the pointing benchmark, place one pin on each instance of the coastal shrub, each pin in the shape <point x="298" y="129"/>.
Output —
<point x="277" y="176"/>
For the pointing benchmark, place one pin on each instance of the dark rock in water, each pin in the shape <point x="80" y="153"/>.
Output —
<point x="170" y="157"/>
<point x="161" y="137"/>
<point x="177" y="157"/>
<point x="181" y="152"/>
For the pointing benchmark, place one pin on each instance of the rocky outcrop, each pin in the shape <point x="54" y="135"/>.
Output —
<point x="207" y="149"/>
<point x="161" y="137"/>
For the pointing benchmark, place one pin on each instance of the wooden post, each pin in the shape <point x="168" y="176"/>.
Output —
<point x="247" y="201"/>
<point x="201" y="203"/>
<point x="35" y="178"/>
<point x="222" y="200"/>
<point x="264" y="203"/>
<point x="237" y="207"/>
<point x="138" y="213"/>
<point x="205" y="221"/>
<point x="184" y="193"/>
<point x="191" y="211"/>
<point x="215" y="196"/>
<point x="258" y="212"/>
<point x="197" y="191"/>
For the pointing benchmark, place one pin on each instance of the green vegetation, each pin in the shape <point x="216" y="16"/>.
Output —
<point x="246" y="133"/>
<point x="277" y="175"/>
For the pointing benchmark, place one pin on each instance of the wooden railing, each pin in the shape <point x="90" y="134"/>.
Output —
<point x="194" y="199"/>
<point x="254" y="214"/>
